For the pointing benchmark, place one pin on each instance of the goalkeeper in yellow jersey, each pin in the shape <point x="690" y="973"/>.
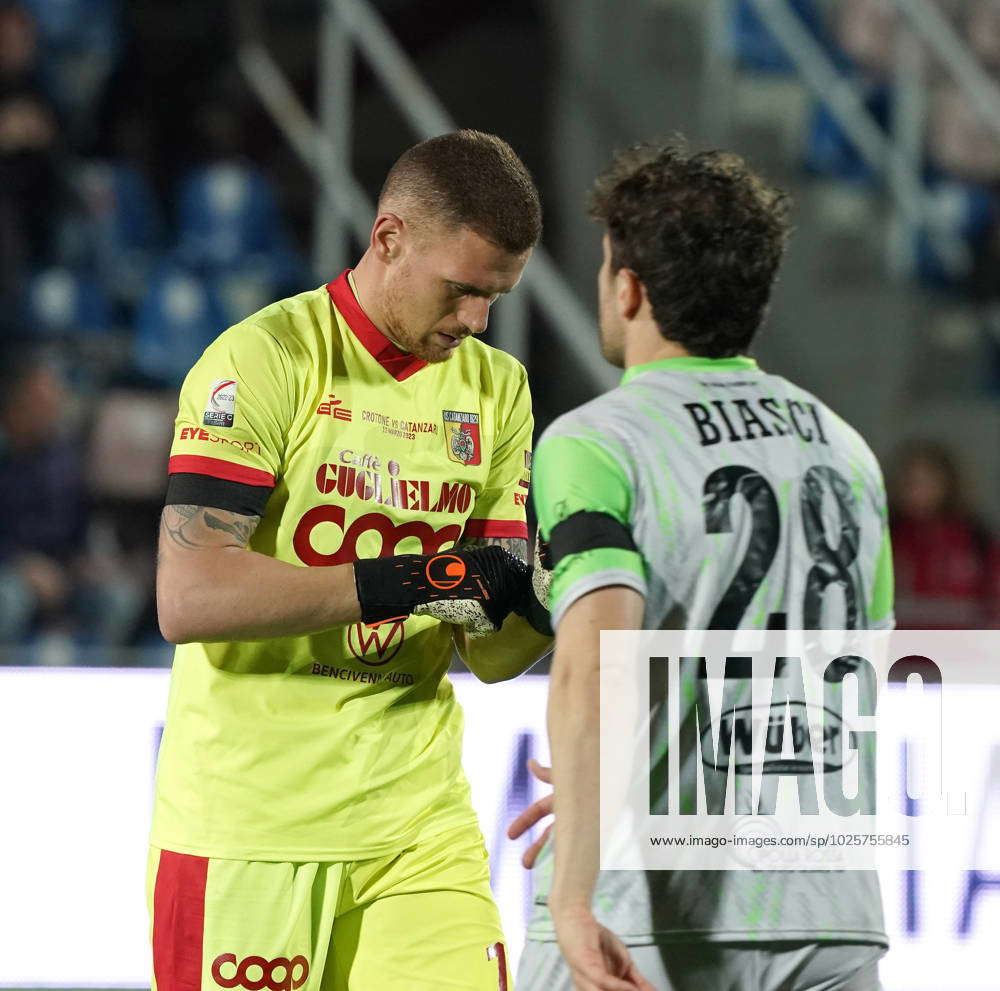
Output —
<point x="346" y="502"/>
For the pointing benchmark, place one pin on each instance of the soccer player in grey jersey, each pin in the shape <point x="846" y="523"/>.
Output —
<point x="702" y="493"/>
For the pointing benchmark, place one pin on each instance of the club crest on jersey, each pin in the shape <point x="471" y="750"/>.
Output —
<point x="461" y="436"/>
<point x="221" y="406"/>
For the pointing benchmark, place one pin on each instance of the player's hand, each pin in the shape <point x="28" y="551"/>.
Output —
<point x="532" y="815"/>
<point x="598" y="960"/>
<point x="534" y="606"/>
<point x="476" y="589"/>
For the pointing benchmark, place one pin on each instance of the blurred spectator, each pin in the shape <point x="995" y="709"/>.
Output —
<point x="49" y="582"/>
<point x="30" y="185"/>
<point x="866" y="30"/>
<point x="960" y="141"/>
<point x="944" y="554"/>
<point x="982" y="31"/>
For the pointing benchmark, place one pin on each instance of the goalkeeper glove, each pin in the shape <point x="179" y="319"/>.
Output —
<point x="475" y="589"/>
<point x="534" y="604"/>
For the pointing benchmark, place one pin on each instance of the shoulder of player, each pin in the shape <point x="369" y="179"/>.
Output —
<point x="847" y="433"/>
<point x="599" y="424"/>
<point x="292" y="322"/>
<point x="837" y="427"/>
<point x="280" y="331"/>
<point x="493" y="371"/>
<point x="478" y="354"/>
<point x="599" y="418"/>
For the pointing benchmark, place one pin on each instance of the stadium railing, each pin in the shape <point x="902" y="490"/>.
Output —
<point x="354" y="27"/>
<point x="895" y="155"/>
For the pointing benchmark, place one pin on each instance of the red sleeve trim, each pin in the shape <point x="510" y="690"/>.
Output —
<point x="496" y="528"/>
<point x="195" y="464"/>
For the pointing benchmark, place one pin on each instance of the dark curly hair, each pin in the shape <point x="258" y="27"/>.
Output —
<point x="470" y="179"/>
<point x="702" y="232"/>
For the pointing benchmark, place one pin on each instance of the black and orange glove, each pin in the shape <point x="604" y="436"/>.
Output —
<point x="476" y="589"/>
<point x="534" y="604"/>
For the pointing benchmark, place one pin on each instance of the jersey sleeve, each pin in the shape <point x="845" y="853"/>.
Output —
<point x="881" y="615"/>
<point x="501" y="507"/>
<point x="232" y="420"/>
<point x="579" y="475"/>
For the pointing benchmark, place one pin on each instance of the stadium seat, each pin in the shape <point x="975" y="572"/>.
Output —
<point x="965" y="214"/>
<point x="177" y="320"/>
<point x="243" y="290"/>
<point x="228" y="217"/>
<point x="122" y="226"/>
<point x="63" y="303"/>
<point x="756" y="49"/>
<point x="74" y="24"/>
<point x="830" y="152"/>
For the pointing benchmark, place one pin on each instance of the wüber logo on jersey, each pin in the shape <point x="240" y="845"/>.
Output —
<point x="461" y="436"/>
<point x="221" y="406"/>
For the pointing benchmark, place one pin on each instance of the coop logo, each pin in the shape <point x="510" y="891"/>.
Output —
<point x="377" y="644"/>
<point x="256" y="973"/>
<point x="390" y="535"/>
<point x="221" y="406"/>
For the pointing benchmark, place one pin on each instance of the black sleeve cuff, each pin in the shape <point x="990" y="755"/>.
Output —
<point x="588" y="530"/>
<point x="186" y="489"/>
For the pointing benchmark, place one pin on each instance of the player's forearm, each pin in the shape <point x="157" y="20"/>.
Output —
<point x="233" y="593"/>
<point x="573" y="723"/>
<point x="505" y="654"/>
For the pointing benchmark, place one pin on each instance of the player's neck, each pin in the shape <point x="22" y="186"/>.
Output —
<point x="645" y="343"/>
<point x="362" y="281"/>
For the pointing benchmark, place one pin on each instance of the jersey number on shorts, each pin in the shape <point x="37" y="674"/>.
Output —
<point x="830" y="565"/>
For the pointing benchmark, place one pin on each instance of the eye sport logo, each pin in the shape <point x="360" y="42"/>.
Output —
<point x="256" y="973"/>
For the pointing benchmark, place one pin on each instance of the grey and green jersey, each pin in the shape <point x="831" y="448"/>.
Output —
<point x="751" y="506"/>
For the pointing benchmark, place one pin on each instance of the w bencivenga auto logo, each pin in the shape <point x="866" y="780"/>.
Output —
<point x="378" y="643"/>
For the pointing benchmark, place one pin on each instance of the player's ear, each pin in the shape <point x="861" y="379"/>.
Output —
<point x="387" y="237"/>
<point x="628" y="292"/>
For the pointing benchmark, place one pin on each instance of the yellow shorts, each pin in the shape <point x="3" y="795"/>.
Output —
<point x="419" y="920"/>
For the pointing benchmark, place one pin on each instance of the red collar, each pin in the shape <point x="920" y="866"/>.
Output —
<point x="398" y="363"/>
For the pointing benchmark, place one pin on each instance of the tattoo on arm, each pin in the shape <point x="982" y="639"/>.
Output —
<point x="198" y="527"/>
<point x="516" y="545"/>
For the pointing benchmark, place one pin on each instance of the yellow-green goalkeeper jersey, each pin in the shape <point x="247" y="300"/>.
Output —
<point x="345" y="744"/>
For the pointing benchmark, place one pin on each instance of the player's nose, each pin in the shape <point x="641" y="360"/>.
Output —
<point x="475" y="314"/>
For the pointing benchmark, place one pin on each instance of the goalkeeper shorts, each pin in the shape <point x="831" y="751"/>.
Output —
<point x="418" y="920"/>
